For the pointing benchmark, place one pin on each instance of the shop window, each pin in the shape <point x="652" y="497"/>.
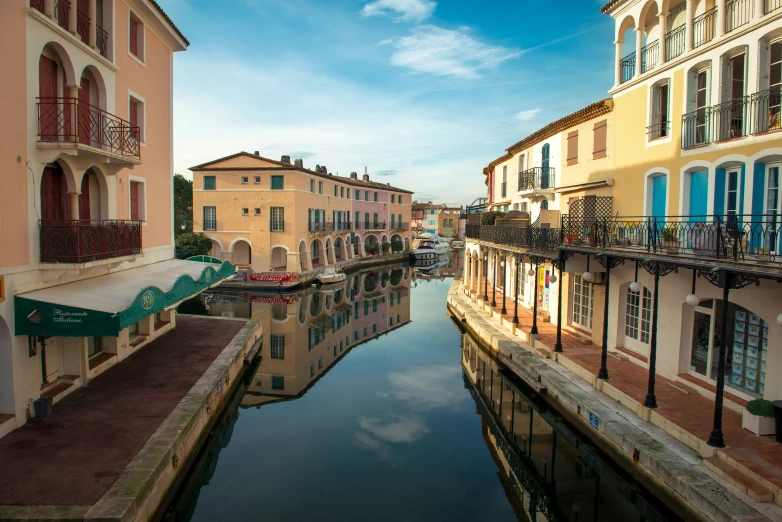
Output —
<point x="94" y="346"/>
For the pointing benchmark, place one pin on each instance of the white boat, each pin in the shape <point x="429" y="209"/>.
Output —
<point x="330" y="275"/>
<point x="429" y="247"/>
<point x="457" y="244"/>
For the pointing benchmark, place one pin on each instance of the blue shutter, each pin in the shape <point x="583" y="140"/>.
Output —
<point x="719" y="192"/>
<point x="758" y="190"/>
<point x="699" y="190"/>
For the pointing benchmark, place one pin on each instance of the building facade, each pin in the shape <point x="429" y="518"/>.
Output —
<point x="277" y="216"/>
<point x="87" y="196"/>
<point x="448" y="221"/>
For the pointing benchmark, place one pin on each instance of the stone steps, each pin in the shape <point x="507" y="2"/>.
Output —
<point x="745" y="484"/>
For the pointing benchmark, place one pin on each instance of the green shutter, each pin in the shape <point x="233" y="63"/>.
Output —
<point x="210" y="183"/>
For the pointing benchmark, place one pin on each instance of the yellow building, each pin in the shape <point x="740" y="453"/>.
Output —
<point x="268" y="215"/>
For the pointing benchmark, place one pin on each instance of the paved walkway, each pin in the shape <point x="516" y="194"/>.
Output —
<point x="692" y="412"/>
<point x="74" y="456"/>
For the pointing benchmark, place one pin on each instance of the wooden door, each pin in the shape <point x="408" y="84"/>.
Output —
<point x="47" y="90"/>
<point x="134" y="201"/>
<point x="55" y="204"/>
<point x="83" y="119"/>
<point x="84" y="198"/>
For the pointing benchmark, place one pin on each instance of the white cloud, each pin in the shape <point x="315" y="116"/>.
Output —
<point x="404" y="429"/>
<point x="429" y="387"/>
<point x="444" y="52"/>
<point x="528" y="114"/>
<point x="412" y="10"/>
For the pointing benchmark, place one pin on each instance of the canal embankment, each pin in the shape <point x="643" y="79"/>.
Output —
<point x="654" y="457"/>
<point x="114" y="449"/>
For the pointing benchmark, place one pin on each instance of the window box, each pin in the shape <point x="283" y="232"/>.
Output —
<point x="757" y="424"/>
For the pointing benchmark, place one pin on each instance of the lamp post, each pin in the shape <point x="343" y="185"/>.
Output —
<point x="534" y="330"/>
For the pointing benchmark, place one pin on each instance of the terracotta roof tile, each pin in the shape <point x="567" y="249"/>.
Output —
<point x="610" y="5"/>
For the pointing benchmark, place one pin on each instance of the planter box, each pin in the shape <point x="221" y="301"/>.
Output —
<point x="758" y="425"/>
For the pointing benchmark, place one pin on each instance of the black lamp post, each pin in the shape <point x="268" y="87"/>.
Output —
<point x="534" y="330"/>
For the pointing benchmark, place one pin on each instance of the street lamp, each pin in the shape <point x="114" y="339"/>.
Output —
<point x="588" y="276"/>
<point x="693" y="299"/>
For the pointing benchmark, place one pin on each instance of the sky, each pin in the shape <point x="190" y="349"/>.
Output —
<point x="422" y="93"/>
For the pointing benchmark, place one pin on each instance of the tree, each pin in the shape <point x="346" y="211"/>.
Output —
<point x="183" y="205"/>
<point x="189" y="245"/>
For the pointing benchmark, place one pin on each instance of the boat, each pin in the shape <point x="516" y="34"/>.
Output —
<point x="261" y="281"/>
<point x="457" y="244"/>
<point x="428" y="247"/>
<point x="430" y="266"/>
<point x="330" y="275"/>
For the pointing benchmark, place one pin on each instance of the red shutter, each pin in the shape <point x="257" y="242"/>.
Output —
<point x="601" y="129"/>
<point x="134" y="36"/>
<point x="572" y="148"/>
<point x="55" y="202"/>
<point x="134" y="206"/>
<point x="84" y="198"/>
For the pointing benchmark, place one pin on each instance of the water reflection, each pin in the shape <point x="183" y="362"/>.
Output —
<point x="547" y="469"/>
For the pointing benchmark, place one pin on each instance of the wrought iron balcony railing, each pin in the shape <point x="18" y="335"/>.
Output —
<point x="69" y="120"/>
<point x="37" y="4"/>
<point x="537" y="178"/>
<point x="102" y="41"/>
<point x="675" y="43"/>
<point x="367" y="225"/>
<point x="316" y="227"/>
<point x="85" y="241"/>
<point x="738" y="13"/>
<point x="765" y="110"/>
<point x="772" y="5"/>
<point x="83" y="26"/>
<point x="650" y="56"/>
<point x="726" y="121"/>
<point x="532" y="238"/>
<point x="628" y="67"/>
<point x="704" y="28"/>
<point x="400" y="226"/>
<point x="730" y="119"/>
<point x="61" y="8"/>
<point x="659" y="130"/>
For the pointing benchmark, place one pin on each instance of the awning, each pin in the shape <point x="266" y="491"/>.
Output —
<point x="105" y="305"/>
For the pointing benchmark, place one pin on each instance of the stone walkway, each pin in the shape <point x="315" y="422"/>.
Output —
<point x="759" y="458"/>
<point x="74" y="456"/>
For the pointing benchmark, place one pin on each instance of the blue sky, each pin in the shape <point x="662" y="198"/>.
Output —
<point x="423" y="93"/>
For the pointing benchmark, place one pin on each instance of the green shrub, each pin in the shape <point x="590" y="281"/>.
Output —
<point x="670" y="234"/>
<point x="761" y="408"/>
<point x="397" y="245"/>
<point x="386" y="247"/>
<point x="190" y="244"/>
<point x="490" y="218"/>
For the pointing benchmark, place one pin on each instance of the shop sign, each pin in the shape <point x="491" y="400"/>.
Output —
<point x="593" y="420"/>
<point x="287" y="277"/>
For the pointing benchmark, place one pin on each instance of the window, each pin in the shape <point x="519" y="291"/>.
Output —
<point x="638" y="315"/>
<point x="366" y="219"/>
<point x="358" y="219"/>
<point x="544" y="204"/>
<point x="342" y="192"/>
<point x="278" y="182"/>
<point x="136" y="117"/>
<point x="312" y="185"/>
<point x="772" y="206"/>
<point x="245" y="180"/>
<point x="522" y="162"/>
<point x="257" y="180"/>
<point x="583" y="302"/>
<point x="504" y="189"/>
<point x="277" y="219"/>
<point x="366" y="195"/>
<point x="335" y="191"/>
<point x="320" y="187"/>
<point x="374" y="219"/>
<point x="393" y="197"/>
<point x="210" y="183"/>
<point x="277" y="346"/>
<point x="660" y="126"/>
<point x="600" y="136"/>
<point x="278" y="382"/>
<point x="94" y="346"/>
<point x="572" y="148"/>
<point x="136" y="37"/>
<point x="137" y="201"/>
<point x="257" y="211"/>
<point x="245" y="211"/>
<point x="358" y="194"/>
<point x="210" y="218"/>
<point x="355" y="310"/>
<point x="732" y="195"/>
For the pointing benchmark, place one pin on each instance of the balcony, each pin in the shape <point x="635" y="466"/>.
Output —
<point x="531" y="238"/>
<point x="704" y="28"/>
<point x="69" y="120"/>
<point x="675" y="43"/>
<point x="658" y="130"/>
<point x="369" y="226"/>
<point x="537" y="181"/>
<point x="765" y="110"/>
<point x="316" y="228"/>
<point x="738" y="13"/>
<point x="86" y="241"/>
<point x="729" y="120"/>
<point x="628" y="67"/>
<point x="400" y="227"/>
<point x="650" y="56"/>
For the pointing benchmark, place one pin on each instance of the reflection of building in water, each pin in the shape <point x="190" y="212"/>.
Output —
<point x="548" y="471"/>
<point x="305" y="333"/>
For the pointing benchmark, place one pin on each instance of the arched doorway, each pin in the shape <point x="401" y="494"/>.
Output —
<point x="55" y="203"/>
<point x="241" y="253"/>
<point x="371" y="245"/>
<point x="338" y="244"/>
<point x="90" y="197"/>
<point x="317" y="254"/>
<point x="279" y="259"/>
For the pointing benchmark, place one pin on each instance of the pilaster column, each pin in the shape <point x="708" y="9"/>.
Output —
<point x="688" y="25"/>
<point x="663" y="17"/>
<point x="74" y="205"/>
<point x="73" y="94"/>
<point x="72" y="21"/>
<point x="760" y="8"/>
<point x="618" y="70"/>
<point x="720" y="18"/>
<point x="93" y="13"/>
<point x="48" y="9"/>
<point x="639" y="41"/>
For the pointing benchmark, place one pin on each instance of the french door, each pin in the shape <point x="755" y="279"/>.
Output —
<point x="583" y="302"/>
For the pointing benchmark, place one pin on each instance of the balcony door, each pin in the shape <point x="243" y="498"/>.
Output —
<point x="701" y="105"/>
<point x="55" y="204"/>
<point x="772" y="208"/>
<point x="659" y="195"/>
<point x="544" y="166"/>
<point x="84" y="112"/>
<point x="583" y="302"/>
<point x="699" y="190"/>
<point x="47" y="90"/>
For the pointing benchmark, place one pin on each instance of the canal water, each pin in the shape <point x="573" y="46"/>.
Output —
<point x="368" y="403"/>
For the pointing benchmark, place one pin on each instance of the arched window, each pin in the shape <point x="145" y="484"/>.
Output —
<point x="638" y="315"/>
<point x="544" y="205"/>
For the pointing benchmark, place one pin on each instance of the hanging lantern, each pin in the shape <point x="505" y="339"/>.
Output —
<point x="693" y="299"/>
<point x="589" y="277"/>
<point x="779" y="319"/>
<point x="635" y="286"/>
<point x="552" y="279"/>
<point x="531" y="272"/>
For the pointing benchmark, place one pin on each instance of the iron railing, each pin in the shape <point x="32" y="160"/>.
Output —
<point x="730" y="119"/>
<point x="650" y="56"/>
<point x="696" y="128"/>
<point x="532" y="238"/>
<point x="317" y="227"/>
<point x="368" y="225"/>
<point x="772" y="5"/>
<point x="102" y="41"/>
<point x="675" y="43"/>
<point x="69" y="120"/>
<point x="703" y="28"/>
<point x="61" y="8"/>
<point x="736" y="237"/>
<point x="83" y="26"/>
<point x="765" y="110"/>
<point x="628" y="67"/>
<point x="537" y="178"/>
<point x="738" y="13"/>
<point x="400" y="226"/>
<point x="37" y="4"/>
<point x="85" y="241"/>
<point x="659" y="130"/>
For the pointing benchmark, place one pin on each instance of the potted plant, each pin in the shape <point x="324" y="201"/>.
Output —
<point x="758" y="417"/>
<point x="670" y="238"/>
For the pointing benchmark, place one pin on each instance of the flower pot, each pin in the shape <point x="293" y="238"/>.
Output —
<point x="43" y="407"/>
<point x="671" y="245"/>
<point x="757" y="424"/>
<point x="592" y="240"/>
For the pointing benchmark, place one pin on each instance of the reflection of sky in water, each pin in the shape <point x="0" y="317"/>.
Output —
<point x="387" y="434"/>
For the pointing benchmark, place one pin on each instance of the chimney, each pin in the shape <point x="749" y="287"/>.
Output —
<point x="257" y="153"/>
<point x="324" y="170"/>
<point x="353" y="175"/>
<point x="286" y="160"/>
<point x="365" y="177"/>
<point x="299" y="163"/>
